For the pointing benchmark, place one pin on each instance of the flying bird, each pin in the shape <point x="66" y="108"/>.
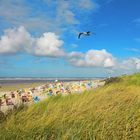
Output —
<point x="84" y="33"/>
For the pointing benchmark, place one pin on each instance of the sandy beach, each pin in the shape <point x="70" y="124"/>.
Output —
<point x="15" y="94"/>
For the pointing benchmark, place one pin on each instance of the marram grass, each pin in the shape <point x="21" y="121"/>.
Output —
<point x="111" y="112"/>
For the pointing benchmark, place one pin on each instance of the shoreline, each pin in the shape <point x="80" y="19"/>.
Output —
<point x="7" y="81"/>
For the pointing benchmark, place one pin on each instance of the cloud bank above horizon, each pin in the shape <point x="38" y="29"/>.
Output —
<point x="49" y="44"/>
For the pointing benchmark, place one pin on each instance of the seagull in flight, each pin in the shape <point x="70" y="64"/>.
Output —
<point x="84" y="33"/>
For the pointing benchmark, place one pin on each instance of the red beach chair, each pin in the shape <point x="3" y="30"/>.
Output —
<point x="9" y="102"/>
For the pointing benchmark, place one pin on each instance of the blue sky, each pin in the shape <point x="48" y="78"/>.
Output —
<point x="38" y="38"/>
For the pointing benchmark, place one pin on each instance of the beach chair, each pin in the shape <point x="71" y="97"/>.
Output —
<point x="36" y="98"/>
<point x="25" y="99"/>
<point x="13" y="95"/>
<point x="9" y="102"/>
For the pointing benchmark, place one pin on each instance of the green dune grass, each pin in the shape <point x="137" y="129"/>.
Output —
<point x="111" y="112"/>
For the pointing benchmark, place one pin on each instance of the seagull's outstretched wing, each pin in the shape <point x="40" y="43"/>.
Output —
<point x="79" y="35"/>
<point x="88" y="32"/>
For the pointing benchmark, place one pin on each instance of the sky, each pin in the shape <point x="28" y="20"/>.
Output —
<point x="39" y="38"/>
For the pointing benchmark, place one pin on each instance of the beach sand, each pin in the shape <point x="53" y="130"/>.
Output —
<point x="73" y="85"/>
<point x="13" y="87"/>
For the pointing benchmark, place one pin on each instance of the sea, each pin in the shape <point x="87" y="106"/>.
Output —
<point x="15" y="80"/>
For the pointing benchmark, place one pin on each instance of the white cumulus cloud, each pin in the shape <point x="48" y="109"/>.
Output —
<point x="15" y="40"/>
<point x="49" y="45"/>
<point x="19" y="39"/>
<point x="75" y="54"/>
<point x="92" y="58"/>
<point x="131" y="63"/>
